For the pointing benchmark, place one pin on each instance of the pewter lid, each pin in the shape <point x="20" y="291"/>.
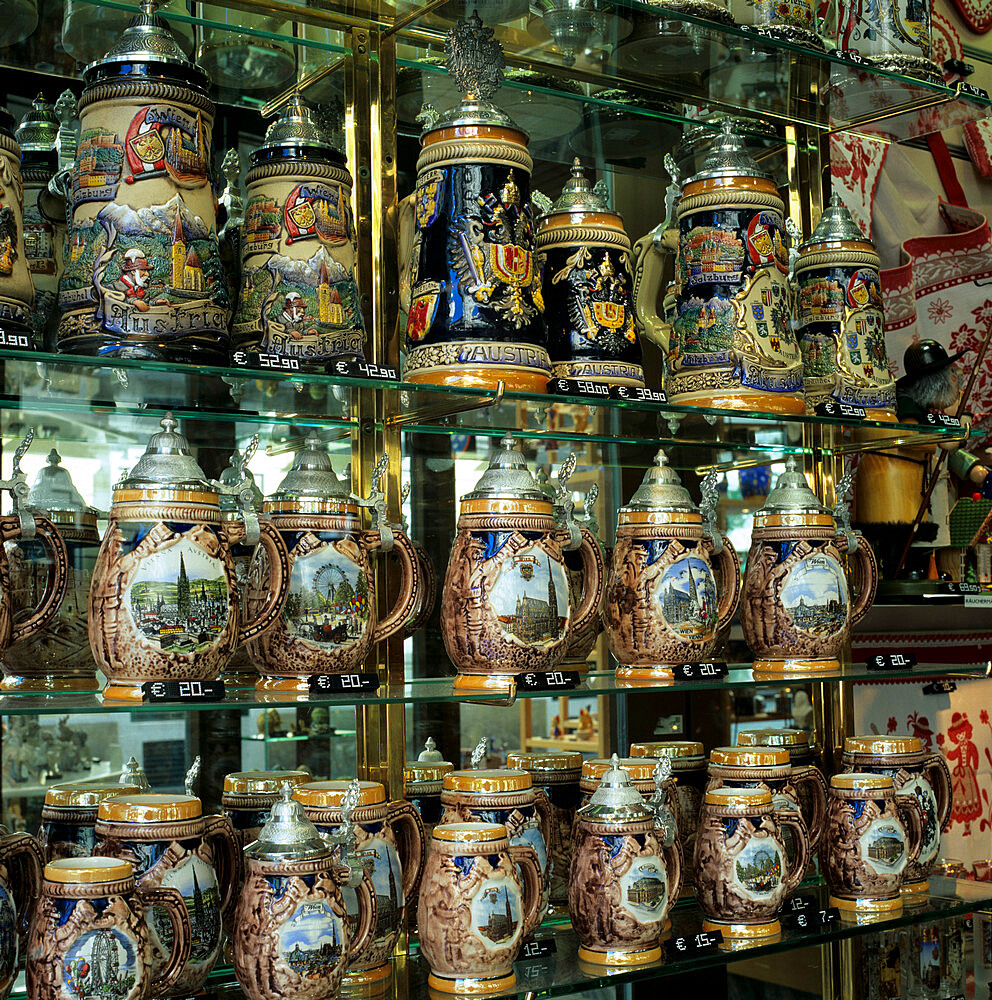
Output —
<point x="507" y="476"/>
<point x="836" y="225"/>
<point x="792" y="493"/>
<point x="579" y="195"/>
<point x="616" y="799"/>
<point x="147" y="39"/>
<point x="54" y="491"/>
<point x="167" y="462"/>
<point x="728" y="157"/>
<point x="661" y="489"/>
<point x="430" y="767"/>
<point x="133" y="775"/>
<point x="311" y="476"/>
<point x="298" y="127"/>
<point x="39" y="127"/>
<point x="231" y="476"/>
<point x="287" y="834"/>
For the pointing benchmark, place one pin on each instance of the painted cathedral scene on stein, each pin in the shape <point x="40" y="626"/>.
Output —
<point x="530" y="598"/>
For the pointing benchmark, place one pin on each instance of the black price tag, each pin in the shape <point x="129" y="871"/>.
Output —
<point x="265" y="362"/>
<point x="800" y="904"/>
<point x="942" y="420"/>
<point x="700" y="671"/>
<point x="940" y="687"/>
<point x="964" y="588"/>
<point x="364" y="369"/>
<point x="553" y="680"/>
<point x="686" y="947"/>
<point x="846" y="411"/>
<point x="160" y="691"/>
<point x="16" y="341"/>
<point x="970" y="90"/>
<point x="809" y="920"/>
<point x="891" y="661"/>
<point x="538" y="949"/>
<point x="601" y="390"/>
<point x="855" y="57"/>
<point x="338" y="683"/>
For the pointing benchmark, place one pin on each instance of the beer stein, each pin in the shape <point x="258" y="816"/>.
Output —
<point x="422" y="779"/>
<point x="796" y="610"/>
<point x="17" y="298"/>
<point x="21" y="862"/>
<point x="164" y="603"/>
<point x="626" y="871"/>
<point x="68" y="817"/>
<point x="743" y="870"/>
<point x="90" y="936"/>
<point x="505" y="606"/>
<point x="58" y="657"/>
<point x="293" y="934"/>
<point x="913" y="770"/>
<point x="298" y="295"/>
<point x="476" y="314"/>
<point x="894" y="37"/>
<point x="662" y="604"/>
<point x="329" y="623"/>
<point x="172" y="845"/>
<point x="480" y="899"/>
<point x="144" y="276"/>
<point x="839" y="317"/>
<point x="584" y="258"/>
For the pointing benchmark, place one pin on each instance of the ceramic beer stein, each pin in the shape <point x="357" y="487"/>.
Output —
<point x="867" y="845"/>
<point x="17" y="298"/>
<point x="422" y="780"/>
<point x="480" y="899"/>
<point x="21" y="863"/>
<point x="144" y="277"/>
<point x="171" y="844"/>
<point x="248" y="797"/>
<point x="732" y="345"/>
<point x="58" y="657"/>
<point x="329" y="623"/>
<point x="390" y="843"/>
<point x="796" y="609"/>
<point x="743" y="870"/>
<point x="293" y="934"/>
<point x="90" y="936"/>
<point x="506" y="796"/>
<point x="556" y="773"/>
<point x="914" y="770"/>
<point x="584" y="259"/>
<point x="626" y="871"/>
<point x="298" y="295"/>
<point x="477" y="314"/>
<point x="839" y="317"/>
<point x="662" y="603"/>
<point x="505" y="607"/>
<point x="68" y="817"/>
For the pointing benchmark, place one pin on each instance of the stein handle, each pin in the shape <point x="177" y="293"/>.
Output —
<point x="914" y="818"/>
<point x="58" y="575"/>
<point x="219" y="832"/>
<point x="182" y="935"/>
<point x="935" y="767"/>
<point x="412" y="842"/>
<point x="278" y="559"/>
<point x="411" y="585"/>
<point x="649" y="266"/>
<point x="865" y="577"/>
<point x="546" y="818"/>
<point x="22" y="856"/>
<point x="525" y="858"/>
<point x="593" y="581"/>
<point x="672" y="801"/>
<point x="676" y="872"/>
<point x="730" y="583"/>
<point x="791" y="818"/>
<point x="367" y="913"/>
<point x="429" y="583"/>
<point x="817" y="784"/>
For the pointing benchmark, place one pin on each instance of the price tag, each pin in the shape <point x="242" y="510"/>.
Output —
<point x="970" y="90"/>
<point x="553" y="680"/>
<point x="685" y="947"/>
<point x="891" y="661"/>
<point x="183" y="691"/>
<point x="538" y="949"/>
<point x="942" y="420"/>
<point x="16" y="341"/>
<point x="940" y="687"/>
<point x="978" y="600"/>
<point x="364" y="369"/>
<point x="846" y="411"/>
<point x="265" y="362"/>
<point x="855" y="57"/>
<point x="338" y="683"/>
<point x="700" y="671"/>
<point x="808" y="921"/>
<point x="600" y="390"/>
<point x="964" y="587"/>
<point x="800" y="904"/>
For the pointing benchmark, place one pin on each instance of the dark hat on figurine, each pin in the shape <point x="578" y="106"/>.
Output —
<point x="926" y="357"/>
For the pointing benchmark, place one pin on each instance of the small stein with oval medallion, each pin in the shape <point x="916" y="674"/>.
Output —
<point x="68" y="817"/>
<point x="21" y="863"/>
<point x="422" y="781"/>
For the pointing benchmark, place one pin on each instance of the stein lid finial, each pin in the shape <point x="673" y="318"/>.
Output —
<point x="147" y="39"/>
<point x="507" y="476"/>
<point x="287" y="833"/>
<point x="167" y="461"/>
<point x="661" y="489"/>
<point x="728" y="157"/>
<point x="39" y="128"/>
<point x="792" y="492"/>
<point x="312" y="477"/>
<point x="579" y="194"/>
<point x="616" y="799"/>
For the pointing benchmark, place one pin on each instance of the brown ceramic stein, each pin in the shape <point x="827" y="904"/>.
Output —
<point x="172" y="844"/>
<point x="914" y="770"/>
<point x="68" y="817"/>
<point x="743" y="870"/>
<point x="89" y="936"/>
<point x="293" y="934"/>
<point x="556" y="773"/>
<point x="867" y="845"/>
<point x="249" y="795"/>
<point x="507" y="797"/>
<point x="662" y="603"/>
<point x="21" y="862"/>
<point x="626" y="871"/>
<point x="796" y="610"/>
<point x="505" y="607"/>
<point x="480" y="898"/>
<point x="390" y="843"/>
<point x="422" y="781"/>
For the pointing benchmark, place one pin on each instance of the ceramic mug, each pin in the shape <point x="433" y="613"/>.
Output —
<point x="68" y="817"/>
<point x="867" y="846"/>
<point x="743" y="870"/>
<point x="89" y="936"/>
<point x="21" y="862"/>
<point x="171" y="844"/>
<point x="481" y="897"/>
